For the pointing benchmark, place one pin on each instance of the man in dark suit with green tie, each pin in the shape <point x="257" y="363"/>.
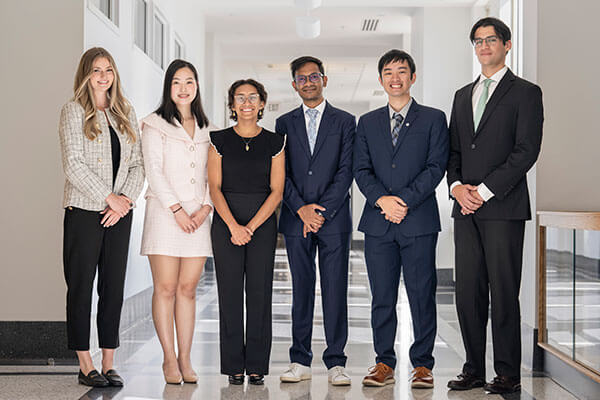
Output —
<point x="495" y="138"/>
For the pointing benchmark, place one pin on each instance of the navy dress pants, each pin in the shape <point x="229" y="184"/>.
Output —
<point x="333" y="268"/>
<point x="386" y="256"/>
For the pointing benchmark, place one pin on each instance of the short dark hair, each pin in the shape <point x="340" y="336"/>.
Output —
<point x="300" y="61"/>
<point x="260" y="89"/>
<point x="167" y="108"/>
<point x="502" y="31"/>
<point x="396" y="55"/>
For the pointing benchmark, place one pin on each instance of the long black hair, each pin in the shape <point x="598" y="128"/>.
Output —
<point x="167" y="109"/>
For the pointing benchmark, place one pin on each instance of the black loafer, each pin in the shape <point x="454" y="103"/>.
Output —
<point x="113" y="378"/>
<point x="236" y="379"/>
<point x="503" y="385"/>
<point x="466" y="382"/>
<point x="256" y="379"/>
<point x="93" y="379"/>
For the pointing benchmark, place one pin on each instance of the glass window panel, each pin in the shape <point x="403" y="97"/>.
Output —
<point x="159" y="41"/>
<point x="559" y="288"/>
<point x="587" y="298"/>
<point x="141" y="25"/>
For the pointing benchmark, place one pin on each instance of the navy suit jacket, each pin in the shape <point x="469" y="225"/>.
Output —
<point x="323" y="177"/>
<point x="411" y="170"/>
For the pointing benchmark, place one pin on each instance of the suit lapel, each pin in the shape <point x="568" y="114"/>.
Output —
<point x="468" y="107"/>
<point x="385" y="128"/>
<point x="300" y="130"/>
<point x="503" y="86"/>
<point x="413" y="112"/>
<point x="324" y="128"/>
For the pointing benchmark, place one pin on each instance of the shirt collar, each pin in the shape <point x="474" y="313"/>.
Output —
<point x="320" y="108"/>
<point x="403" y="111"/>
<point x="496" y="77"/>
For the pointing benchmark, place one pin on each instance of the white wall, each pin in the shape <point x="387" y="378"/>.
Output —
<point x="40" y="46"/>
<point x="443" y="54"/>
<point x="142" y="80"/>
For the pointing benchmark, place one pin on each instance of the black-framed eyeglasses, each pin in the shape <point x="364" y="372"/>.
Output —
<point x="302" y="79"/>
<point x="490" y="41"/>
<point x="241" y="99"/>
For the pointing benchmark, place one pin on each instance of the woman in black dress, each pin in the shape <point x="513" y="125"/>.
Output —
<point x="246" y="174"/>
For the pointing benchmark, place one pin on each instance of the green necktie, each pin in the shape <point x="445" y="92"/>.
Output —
<point x="482" y="101"/>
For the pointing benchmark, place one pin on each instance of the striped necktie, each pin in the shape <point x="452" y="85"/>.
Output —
<point x="397" y="126"/>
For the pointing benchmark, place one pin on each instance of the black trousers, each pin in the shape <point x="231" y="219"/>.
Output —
<point x="489" y="255"/>
<point x="87" y="245"/>
<point x="246" y="269"/>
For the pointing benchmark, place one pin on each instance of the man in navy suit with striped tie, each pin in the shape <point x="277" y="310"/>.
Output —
<point x="316" y="215"/>
<point x="400" y="156"/>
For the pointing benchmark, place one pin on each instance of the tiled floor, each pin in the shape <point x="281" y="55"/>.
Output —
<point x="139" y="358"/>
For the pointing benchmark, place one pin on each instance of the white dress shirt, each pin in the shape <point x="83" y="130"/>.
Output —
<point x="320" y="108"/>
<point x="482" y="189"/>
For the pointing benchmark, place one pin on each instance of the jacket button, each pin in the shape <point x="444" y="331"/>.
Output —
<point x="393" y="165"/>
<point x="99" y="160"/>
<point x="99" y="140"/>
<point x="310" y="172"/>
<point x="192" y="148"/>
<point x="390" y="188"/>
<point x="193" y="181"/>
<point x="192" y="165"/>
<point x="473" y="146"/>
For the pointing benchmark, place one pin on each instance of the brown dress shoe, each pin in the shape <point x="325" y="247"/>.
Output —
<point x="379" y="375"/>
<point x="421" y="378"/>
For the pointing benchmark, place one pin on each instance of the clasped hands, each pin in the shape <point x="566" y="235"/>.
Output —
<point x="118" y="207"/>
<point x="312" y="218"/>
<point x="189" y="223"/>
<point x="468" y="198"/>
<point x="393" y="208"/>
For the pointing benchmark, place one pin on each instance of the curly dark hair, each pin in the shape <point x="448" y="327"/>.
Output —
<point x="257" y="85"/>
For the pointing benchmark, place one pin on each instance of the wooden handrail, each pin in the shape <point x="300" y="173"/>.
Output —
<point x="570" y="220"/>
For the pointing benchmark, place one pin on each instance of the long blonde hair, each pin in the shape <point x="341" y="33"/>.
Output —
<point x="84" y="95"/>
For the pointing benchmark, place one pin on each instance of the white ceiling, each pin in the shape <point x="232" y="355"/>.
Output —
<point x="258" y="39"/>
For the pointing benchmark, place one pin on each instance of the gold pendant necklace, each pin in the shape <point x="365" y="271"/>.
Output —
<point x="247" y="142"/>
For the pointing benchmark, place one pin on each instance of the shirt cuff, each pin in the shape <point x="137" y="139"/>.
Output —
<point x="454" y="184"/>
<point x="484" y="192"/>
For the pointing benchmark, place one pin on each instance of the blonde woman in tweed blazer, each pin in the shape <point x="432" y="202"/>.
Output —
<point x="103" y="165"/>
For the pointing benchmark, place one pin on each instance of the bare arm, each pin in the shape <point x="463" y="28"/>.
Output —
<point x="277" y="185"/>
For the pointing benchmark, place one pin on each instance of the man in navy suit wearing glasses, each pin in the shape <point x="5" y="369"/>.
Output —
<point x="316" y="215"/>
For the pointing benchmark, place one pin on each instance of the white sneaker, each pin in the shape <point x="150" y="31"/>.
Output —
<point x="296" y="373"/>
<point x="338" y="376"/>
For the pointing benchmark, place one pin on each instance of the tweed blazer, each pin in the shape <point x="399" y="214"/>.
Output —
<point x="175" y="164"/>
<point x="88" y="163"/>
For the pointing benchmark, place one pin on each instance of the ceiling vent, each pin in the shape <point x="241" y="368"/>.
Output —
<point x="378" y="92"/>
<point x="370" y="25"/>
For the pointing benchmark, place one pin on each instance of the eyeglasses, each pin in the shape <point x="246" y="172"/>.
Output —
<point x="302" y="79"/>
<point x="241" y="99"/>
<point x="490" y="41"/>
